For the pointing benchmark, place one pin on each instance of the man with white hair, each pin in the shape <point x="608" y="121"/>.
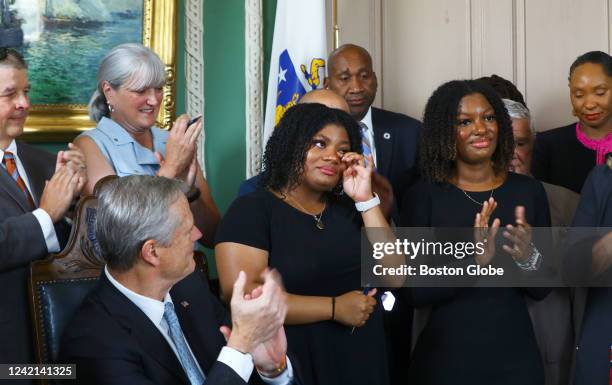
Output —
<point x="524" y="137"/>
<point x="562" y="201"/>
<point x="551" y="317"/>
<point x="152" y="319"/>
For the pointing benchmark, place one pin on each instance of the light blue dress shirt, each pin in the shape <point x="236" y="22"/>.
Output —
<point x="124" y="153"/>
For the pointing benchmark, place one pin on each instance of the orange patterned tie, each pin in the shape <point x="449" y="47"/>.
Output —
<point x="11" y="168"/>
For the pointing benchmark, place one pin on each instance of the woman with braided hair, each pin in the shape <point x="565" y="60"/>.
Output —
<point x="475" y="335"/>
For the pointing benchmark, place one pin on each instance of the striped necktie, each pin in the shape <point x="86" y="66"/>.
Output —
<point x="366" y="146"/>
<point x="184" y="355"/>
<point x="11" y="168"/>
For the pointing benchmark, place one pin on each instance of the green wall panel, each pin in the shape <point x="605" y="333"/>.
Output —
<point x="51" y="147"/>
<point x="224" y="116"/>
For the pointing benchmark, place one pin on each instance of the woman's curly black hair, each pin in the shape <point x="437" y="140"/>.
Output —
<point x="438" y="138"/>
<point x="292" y="138"/>
<point x="504" y="88"/>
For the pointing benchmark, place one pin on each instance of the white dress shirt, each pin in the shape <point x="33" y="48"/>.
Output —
<point x="241" y="363"/>
<point x="367" y="121"/>
<point x="43" y="218"/>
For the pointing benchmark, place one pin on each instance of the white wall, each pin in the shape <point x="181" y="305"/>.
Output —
<point x="419" y="44"/>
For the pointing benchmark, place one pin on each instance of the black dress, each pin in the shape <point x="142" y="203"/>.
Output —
<point x="475" y="335"/>
<point x="317" y="263"/>
<point x="559" y="158"/>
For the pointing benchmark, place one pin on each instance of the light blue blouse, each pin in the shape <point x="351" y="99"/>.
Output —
<point x="126" y="156"/>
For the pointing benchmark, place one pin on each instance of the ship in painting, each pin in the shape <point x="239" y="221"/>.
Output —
<point x="124" y="9"/>
<point x="11" y="34"/>
<point x="79" y="13"/>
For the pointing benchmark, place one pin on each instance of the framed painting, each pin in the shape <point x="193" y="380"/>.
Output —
<point x="63" y="42"/>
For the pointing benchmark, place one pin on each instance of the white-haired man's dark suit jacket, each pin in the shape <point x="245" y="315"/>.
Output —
<point x="113" y="342"/>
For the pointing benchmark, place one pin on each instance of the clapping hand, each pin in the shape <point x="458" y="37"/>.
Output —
<point x="484" y="234"/>
<point x="520" y="236"/>
<point x="180" y="161"/>
<point x="357" y="177"/>
<point x="268" y="355"/>
<point x="59" y="192"/>
<point x="257" y="321"/>
<point x="74" y="159"/>
<point x="257" y="317"/>
<point x="189" y="177"/>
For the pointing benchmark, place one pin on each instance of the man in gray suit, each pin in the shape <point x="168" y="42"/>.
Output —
<point x="551" y="317"/>
<point x="36" y="190"/>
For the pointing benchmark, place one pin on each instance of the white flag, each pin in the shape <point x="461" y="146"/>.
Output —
<point x="298" y="59"/>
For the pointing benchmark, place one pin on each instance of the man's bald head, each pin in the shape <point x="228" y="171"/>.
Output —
<point x="350" y="75"/>
<point x="347" y="49"/>
<point x="327" y="98"/>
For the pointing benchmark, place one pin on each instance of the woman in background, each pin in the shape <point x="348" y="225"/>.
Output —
<point x="565" y="156"/>
<point x="475" y="335"/>
<point x="126" y="141"/>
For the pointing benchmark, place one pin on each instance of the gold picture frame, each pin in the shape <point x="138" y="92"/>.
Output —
<point x="63" y="122"/>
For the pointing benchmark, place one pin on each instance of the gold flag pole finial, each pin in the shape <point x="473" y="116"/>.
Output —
<point x="335" y="23"/>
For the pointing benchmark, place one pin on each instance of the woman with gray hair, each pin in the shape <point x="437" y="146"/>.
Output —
<point x="126" y="141"/>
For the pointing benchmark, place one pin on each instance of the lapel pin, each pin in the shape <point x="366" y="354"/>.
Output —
<point x="185" y="304"/>
<point x="386" y="135"/>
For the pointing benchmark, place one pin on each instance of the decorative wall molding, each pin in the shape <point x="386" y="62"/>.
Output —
<point x="519" y="47"/>
<point x="253" y="36"/>
<point x="376" y="46"/>
<point x="361" y="23"/>
<point x="475" y="30"/>
<point x="532" y="43"/>
<point x="194" y="67"/>
<point x="609" y="9"/>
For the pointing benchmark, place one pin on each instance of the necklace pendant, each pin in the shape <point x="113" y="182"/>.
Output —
<point x="320" y="225"/>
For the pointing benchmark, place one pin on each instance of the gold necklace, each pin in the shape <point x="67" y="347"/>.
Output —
<point x="474" y="200"/>
<point x="317" y="217"/>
